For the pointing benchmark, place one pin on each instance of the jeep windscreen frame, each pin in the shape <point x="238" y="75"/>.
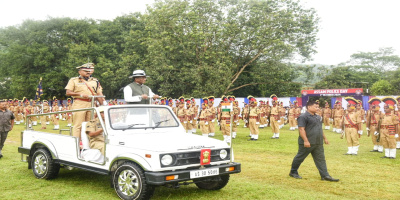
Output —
<point x="125" y="118"/>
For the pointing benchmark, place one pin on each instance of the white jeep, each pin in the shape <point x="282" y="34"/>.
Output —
<point x="145" y="146"/>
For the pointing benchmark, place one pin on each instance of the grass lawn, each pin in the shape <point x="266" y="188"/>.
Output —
<point x="265" y="168"/>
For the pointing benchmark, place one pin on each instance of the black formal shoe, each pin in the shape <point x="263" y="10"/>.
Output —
<point x="250" y="139"/>
<point x="1" y="155"/>
<point x="384" y="157"/>
<point x="348" y="154"/>
<point x="295" y="176"/>
<point x="373" y="151"/>
<point x="391" y="158"/>
<point x="277" y="138"/>
<point x="329" y="178"/>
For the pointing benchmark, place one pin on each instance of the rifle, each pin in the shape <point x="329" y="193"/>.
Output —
<point x="343" y="131"/>
<point x="368" y="123"/>
<point x="378" y="129"/>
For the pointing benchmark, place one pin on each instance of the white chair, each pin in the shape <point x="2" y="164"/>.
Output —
<point x="89" y="155"/>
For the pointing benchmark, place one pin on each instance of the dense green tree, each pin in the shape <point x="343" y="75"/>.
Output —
<point x="382" y="87"/>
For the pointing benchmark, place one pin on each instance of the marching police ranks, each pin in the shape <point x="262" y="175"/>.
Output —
<point x="351" y="127"/>
<point x="373" y="117"/>
<point x="203" y="118"/>
<point x="236" y="112"/>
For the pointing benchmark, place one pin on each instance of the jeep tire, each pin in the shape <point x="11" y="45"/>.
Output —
<point x="43" y="165"/>
<point x="213" y="184"/>
<point x="130" y="183"/>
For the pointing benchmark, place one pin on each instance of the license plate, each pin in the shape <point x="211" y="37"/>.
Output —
<point x="204" y="173"/>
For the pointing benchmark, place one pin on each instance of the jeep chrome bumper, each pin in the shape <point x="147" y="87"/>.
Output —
<point x="162" y="178"/>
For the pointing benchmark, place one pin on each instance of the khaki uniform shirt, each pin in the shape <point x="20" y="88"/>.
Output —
<point x="95" y="142"/>
<point x="79" y="85"/>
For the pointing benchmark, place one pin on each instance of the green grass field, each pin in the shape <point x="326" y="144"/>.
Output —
<point x="265" y="168"/>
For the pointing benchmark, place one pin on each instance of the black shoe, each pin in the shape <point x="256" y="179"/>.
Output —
<point x="250" y="139"/>
<point x="391" y="158"/>
<point x="373" y="151"/>
<point x="348" y="154"/>
<point x="384" y="157"/>
<point x="248" y="136"/>
<point x="1" y="155"/>
<point x="329" y="178"/>
<point x="295" y="176"/>
<point x="277" y="138"/>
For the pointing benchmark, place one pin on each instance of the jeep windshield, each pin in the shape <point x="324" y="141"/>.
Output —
<point x="124" y="118"/>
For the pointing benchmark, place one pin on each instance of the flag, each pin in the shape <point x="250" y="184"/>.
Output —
<point x="226" y="107"/>
<point x="39" y="90"/>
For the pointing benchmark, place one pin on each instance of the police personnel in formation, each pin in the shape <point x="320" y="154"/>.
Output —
<point x="194" y="113"/>
<point x="236" y="112"/>
<point x="81" y="88"/>
<point x="397" y="113"/>
<point x="189" y="116"/>
<point x="338" y="116"/>
<point x="224" y="118"/>
<point x="136" y="92"/>
<point x="388" y="131"/>
<point x="351" y="126"/>
<point x="373" y="117"/>
<point x="203" y="118"/>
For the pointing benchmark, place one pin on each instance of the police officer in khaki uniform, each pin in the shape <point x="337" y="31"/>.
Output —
<point x="203" y="118"/>
<point x="213" y="112"/>
<point x="254" y="118"/>
<point x="69" y="115"/>
<point x="224" y="118"/>
<point x="373" y="116"/>
<point x="236" y="112"/>
<point x="189" y="116"/>
<point x="274" y="117"/>
<point x="389" y="128"/>
<point x="81" y="88"/>
<point x="352" y="126"/>
<point x="292" y="112"/>
<point x="339" y="113"/>
<point x="55" y="117"/>
<point x="327" y="113"/>
<point x="45" y="109"/>
<point x="95" y="132"/>
<point x="181" y="112"/>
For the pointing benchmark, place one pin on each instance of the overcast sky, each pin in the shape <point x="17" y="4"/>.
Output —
<point x="346" y="26"/>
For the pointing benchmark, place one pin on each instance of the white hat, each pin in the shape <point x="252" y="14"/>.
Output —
<point x="138" y="73"/>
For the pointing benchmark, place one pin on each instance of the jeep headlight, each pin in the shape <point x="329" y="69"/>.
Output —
<point x="167" y="159"/>
<point x="223" y="154"/>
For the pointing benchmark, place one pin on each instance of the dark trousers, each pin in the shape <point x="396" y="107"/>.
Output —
<point x="3" y="137"/>
<point x="317" y="152"/>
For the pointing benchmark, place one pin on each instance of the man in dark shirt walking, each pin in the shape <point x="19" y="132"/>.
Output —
<point x="6" y="123"/>
<point x="311" y="140"/>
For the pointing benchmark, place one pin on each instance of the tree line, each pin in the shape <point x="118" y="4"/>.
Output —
<point x="188" y="47"/>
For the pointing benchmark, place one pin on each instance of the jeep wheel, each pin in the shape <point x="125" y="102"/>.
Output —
<point x="213" y="184"/>
<point x="43" y="165"/>
<point x="130" y="183"/>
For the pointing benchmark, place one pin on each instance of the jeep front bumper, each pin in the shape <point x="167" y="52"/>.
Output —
<point x="160" y="178"/>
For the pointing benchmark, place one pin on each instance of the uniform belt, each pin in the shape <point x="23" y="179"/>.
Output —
<point x="253" y="117"/>
<point x="387" y="126"/>
<point x="373" y="124"/>
<point x="203" y="119"/>
<point x="338" y="116"/>
<point x="349" y="126"/>
<point x="87" y="100"/>
<point x="181" y="117"/>
<point x="225" y="118"/>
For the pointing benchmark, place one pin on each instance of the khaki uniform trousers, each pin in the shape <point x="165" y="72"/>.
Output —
<point x="43" y="121"/>
<point x="292" y="122"/>
<point x="387" y="140"/>
<point x="253" y="126"/>
<point x="97" y="145"/>
<point x="225" y="128"/>
<point x="55" y="120"/>
<point x="274" y="125"/>
<point x="211" y="126"/>
<point x="326" y="121"/>
<point x="188" y="125"/>
<point x="351" y="137"/>
<point x="79" y="117"/>
<point x="194" y="124"/>
<point x="372" y="129"/>
<point x="234" y="126"/>
<point x="337" y="122"/>
<point x="263" y="121"/>
<point x="69" y="118"/>
<point x="203" y="127"/>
